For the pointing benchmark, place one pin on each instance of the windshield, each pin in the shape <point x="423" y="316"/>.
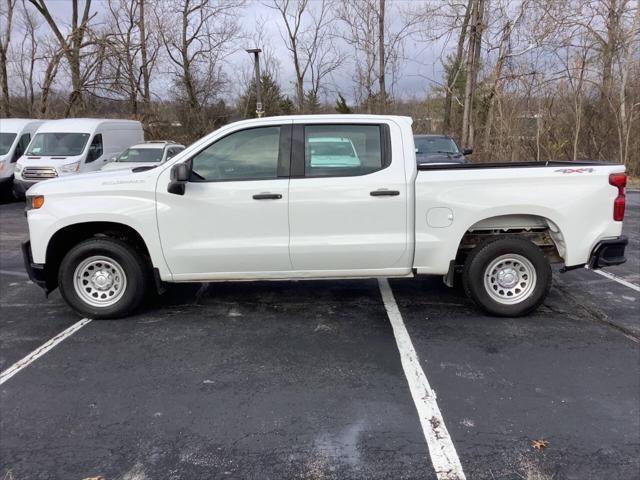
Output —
<point x="6" y="140"/>
<point x="58" y="144"/>
<point x="142" y="155"/>
<point x="435" y="145"/>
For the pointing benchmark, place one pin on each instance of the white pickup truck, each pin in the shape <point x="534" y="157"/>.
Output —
<point x="310" y="197"/>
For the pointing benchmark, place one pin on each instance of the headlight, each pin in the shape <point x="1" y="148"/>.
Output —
<point x="18" y="167"/>
<point x="34" y="202"/>
<point x="71" y="167"/>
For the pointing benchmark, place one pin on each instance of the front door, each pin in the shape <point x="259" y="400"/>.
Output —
<point x="232" y="221"/>
<point x="348" y="200"/>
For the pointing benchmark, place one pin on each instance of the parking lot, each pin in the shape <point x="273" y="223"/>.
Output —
<point x="312" y="380"/>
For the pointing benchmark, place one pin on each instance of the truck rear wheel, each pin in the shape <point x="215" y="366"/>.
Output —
<point x="103" y="278"/>
<point x="507" y="277"/>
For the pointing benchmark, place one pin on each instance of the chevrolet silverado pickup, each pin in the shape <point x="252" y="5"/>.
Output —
<point x="312" y="197"/>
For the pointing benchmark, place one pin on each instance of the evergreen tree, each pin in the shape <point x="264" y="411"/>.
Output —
<point x="341" y="105"/>
<point x="273" y="102"/>
<point x="311" y="102"/>
<point x="287" y="106"/>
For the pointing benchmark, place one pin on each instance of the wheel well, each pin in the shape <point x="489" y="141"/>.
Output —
<point x="539" y="230"/>
<point x="66" y="238"/>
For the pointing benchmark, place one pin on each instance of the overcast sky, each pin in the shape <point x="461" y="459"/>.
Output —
<point x="420" y="68"/>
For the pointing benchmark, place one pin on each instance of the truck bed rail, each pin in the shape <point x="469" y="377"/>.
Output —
<point x="550" y="163"/>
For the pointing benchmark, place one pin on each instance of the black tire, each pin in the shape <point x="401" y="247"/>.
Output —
<point x="486" y="255"/>
<point x="125" y="257"/>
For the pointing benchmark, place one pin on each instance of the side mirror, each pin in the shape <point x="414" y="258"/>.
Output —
<point x="180" y="174"/>
<point x="467" y="151"/>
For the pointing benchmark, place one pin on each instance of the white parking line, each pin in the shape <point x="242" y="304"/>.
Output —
<point x="615" y="278"/>
<point x="15" y="274"/>
<point x="443" y="454"/>
<point x="41" y="350"/>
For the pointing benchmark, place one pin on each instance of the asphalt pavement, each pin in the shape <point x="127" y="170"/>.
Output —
<point x="306" y="380"/>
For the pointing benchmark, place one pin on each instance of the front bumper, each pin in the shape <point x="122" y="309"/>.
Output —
<point x="34" y="270"/>
<point x="608" y="252"/>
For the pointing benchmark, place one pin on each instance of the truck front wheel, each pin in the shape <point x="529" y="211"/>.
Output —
<point x="103" y="278"/>
<point x="507" y="277"/>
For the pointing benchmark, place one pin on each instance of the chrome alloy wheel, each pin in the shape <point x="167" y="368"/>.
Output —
<point x="510" y="279"/>
<point x="99" y="281"/>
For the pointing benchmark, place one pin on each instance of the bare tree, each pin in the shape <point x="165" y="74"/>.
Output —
<point x="197" y="36"/>
<point x="6" y="18"/>
<point x="131" y="55"/>
<point x="308" y="39"/>
<point x="626" y="114"/>
<point x="378" y="48"/>
<point x="54" y="58"/>
<point x="27" y="57"/>
<point x="456" y="66"/>
<point x="72" y="45"/>
<point x="505" y="53"/>
<point x="360" y="19"/>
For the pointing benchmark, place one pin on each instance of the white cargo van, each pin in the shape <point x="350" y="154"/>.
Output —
<point x="15" y="135"/>
<point x="74" y="145"/>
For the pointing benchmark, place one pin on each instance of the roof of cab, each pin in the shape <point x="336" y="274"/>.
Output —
<point x="84" y="125"/>
<point x="15" y="125"/>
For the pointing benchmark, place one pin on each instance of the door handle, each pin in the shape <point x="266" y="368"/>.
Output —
<point x="384" y="193"/>
<point x="267" y="196"/>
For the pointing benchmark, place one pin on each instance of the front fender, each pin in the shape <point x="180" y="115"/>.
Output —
<point x="136" y="210"/>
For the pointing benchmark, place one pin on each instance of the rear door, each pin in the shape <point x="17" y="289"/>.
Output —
<point x="348" y="199"/>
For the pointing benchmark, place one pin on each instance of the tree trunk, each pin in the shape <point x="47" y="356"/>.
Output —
<point x="625" y="117"/>
<point x="473" y="60"/>
<point x="146" y="95"/>
<point x="452" y="78"/>
<point x="609" y="48"/>
<point x="496" y="86"/>
<point x="49" y="76"/>
<point x="381" y="59"/>
<point x="5" y="108"/>
<point x="299" y="77"/>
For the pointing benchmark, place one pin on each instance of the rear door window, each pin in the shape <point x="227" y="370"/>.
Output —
<point x="343" y="150"/>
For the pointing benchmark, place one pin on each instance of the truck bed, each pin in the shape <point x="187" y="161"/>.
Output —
<point x="573" y="200"/>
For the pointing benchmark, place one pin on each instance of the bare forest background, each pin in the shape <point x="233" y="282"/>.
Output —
<point x="517" y="79"/>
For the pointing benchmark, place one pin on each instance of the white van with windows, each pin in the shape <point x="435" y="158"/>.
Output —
<point x="15" y="135"/>
<point x="74" y="145"/>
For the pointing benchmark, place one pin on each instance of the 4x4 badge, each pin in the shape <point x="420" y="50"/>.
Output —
<point x="574" y="170"/>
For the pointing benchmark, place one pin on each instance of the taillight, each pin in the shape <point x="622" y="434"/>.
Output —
<point x="618" y="180"/>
